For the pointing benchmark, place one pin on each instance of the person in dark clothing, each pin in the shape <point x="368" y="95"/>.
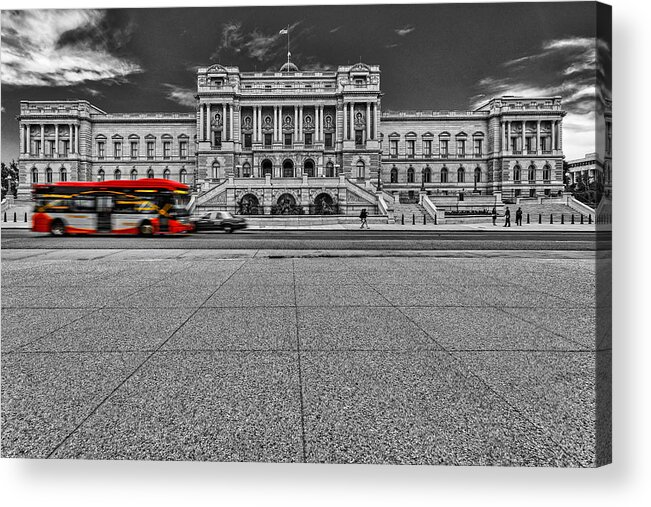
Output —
<point x="494" y="213"/>
<point x="507" y="218"/>
<point x="518" y="217"/>
<point x="363" y="216"/>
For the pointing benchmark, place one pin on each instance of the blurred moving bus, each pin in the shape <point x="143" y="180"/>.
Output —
<point x="145" y="206"/>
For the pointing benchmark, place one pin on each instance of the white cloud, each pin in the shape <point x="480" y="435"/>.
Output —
<point x="401" y="32"/>
<point x="59" y="48"/>
<point x="2" y="109"/>
<point x="180" y="95"/>
<point x="257" y="45"/>
<point x="562" y="67"/>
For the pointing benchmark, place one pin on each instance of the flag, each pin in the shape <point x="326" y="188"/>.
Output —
<point x="283" y="31"/>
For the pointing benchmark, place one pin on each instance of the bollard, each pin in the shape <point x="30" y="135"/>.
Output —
<point x="562" y="218"/>
<point x="528" y="218"/>
<point x="5" y="216"/>
<point x="589" y="219"/>
<point x="435" y="220"/>
<point x="413" y="219"/>
<point x="403" y="219"/>
<point x="424" y="220"/>
<point x="572" y="218"/>
<point x="539" y="218"/>
<point x="551" y="218"/>
<point x="581" y="218"/>
<point x="15" y="217"/>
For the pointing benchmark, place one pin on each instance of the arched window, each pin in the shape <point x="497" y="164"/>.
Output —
<point x="444" y="175"/>
<point x="183" y="176"/>
<point x="117" y="174"/>
<point x="427" y="175"/>
<point x="477" y="175"/>
<point x="330" y="170"/>
<point x="215" y="171"/>
<point x="461" y="175"/>
<point x="166" y="174"/>
<point x="134" y="174"/>
<point x="246" y="170"/>
<point x="516" y="173"/>
<point x="100" y="175"/>
<point x="410" y="175"/>
<point x="394" y="175"/>
<point x="546" y="173"/>
<point x="532" y="173"/>
<point x="150" y="173"/>
<point x="34" y="175"/>
<point x="48" y="175"/>
<point x="63" y="174"/>
<point x="361" y="169"/>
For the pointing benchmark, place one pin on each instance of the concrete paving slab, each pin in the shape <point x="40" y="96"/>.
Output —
<point x="515" y="297"/>
<point x="553" y="390"/>
<point x="422" y="295"/>
<point x="237" y="329"/>
<point x="113" y="329"/>
<point x="324" y="296"/>
<point x="412" y="408"/>
<point x="484" y="329"/>
<point x="46" y="396"/>
<point x="359" y="329"/>
<point x="164" y="295"/>
<point x="199" y="406"/>
<point x="21" y="325"/>
<point x="252" y="295"/>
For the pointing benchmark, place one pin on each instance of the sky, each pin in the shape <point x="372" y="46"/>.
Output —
<point x="436" y="56"/>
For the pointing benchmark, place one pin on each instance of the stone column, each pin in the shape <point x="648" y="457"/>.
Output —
<point x="553" y="128"/>
<point x="78" y="147"/>
<point x="201" y="123"/>
<point x="209" y="123"/>
<point x="503" y="134"/>
<point x="42" y="139"/>
<point x="56" y="139"/>
<point x="254" y="110"/>
<point x="231" y="125"/>
<point x="524" y="135"/>
<point x="560" y="136"/>
<point x="224" y="131"/>
<point x="345" y="116"/>
<point x="538" y="137"/>
<point x="368" y="121"/>
<point x="275" y="123"/>
<point x="28" y="149"/>
<point x="352" y="121"/>
<point x="300" y="123"/>
<point x="508" y="136"/>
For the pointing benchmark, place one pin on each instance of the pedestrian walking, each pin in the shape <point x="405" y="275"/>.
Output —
<point x="518" y="217"/>
<point x="363" y="216"/>
<point x="507" y="218"/>
<point x="494" y="212"/>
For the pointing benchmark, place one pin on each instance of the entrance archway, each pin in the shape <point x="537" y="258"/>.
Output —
<point x="324" y="205"/>
<point x="288" y="169"/>
<point x="250" y="205"/>
<point x="308" y="167"/>
<point x="267" y="167"/>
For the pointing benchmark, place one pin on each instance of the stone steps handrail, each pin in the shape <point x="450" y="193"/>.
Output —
<point x="428" y="205"/>
<point x="211" y="193"/>
<point x="360" y="192"/>
<point x="577" y="205"/>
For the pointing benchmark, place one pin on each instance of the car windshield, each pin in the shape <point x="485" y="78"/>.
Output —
<point x="226" y="214"/>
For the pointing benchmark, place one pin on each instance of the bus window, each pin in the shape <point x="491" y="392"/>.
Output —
<point x="83" y="203"/>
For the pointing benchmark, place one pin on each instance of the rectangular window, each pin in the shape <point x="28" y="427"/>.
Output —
<point x="167" y="148"/>
<point x="268" y="140"/>
<point x="100" y="151"/>
<point x="444" y="148"/>
<point x="328" y="140"/>
<point x="427" y="148"/>
<point x="411" y="145"/>
<point x="37" y="147"/>
<point x="394" y="148"/>
<point x="218" y="140"/>
<point x="247" y="140"/>
<point x="359" y="138"/>
<point x="117" y="150"/>
<point x="50" y="148"/>
<point x="461" y="148"/>
<point x="288" y="139"/>
<point x="478" y="148"/>
<point x="150" y="150"/>
<point x="308" y="139"/>
<point x="183" y="149"/>
<point x="134" y="150"/>
<point x="65" y="148"/>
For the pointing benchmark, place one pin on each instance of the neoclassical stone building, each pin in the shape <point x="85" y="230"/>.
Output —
<point x="312" y="142"/>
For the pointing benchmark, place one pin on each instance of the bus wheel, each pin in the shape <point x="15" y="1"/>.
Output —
<point x="57" y="228"/>
<point x="146" y="229"/>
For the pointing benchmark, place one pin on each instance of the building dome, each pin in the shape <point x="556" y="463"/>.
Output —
<point x="289" y="67"/>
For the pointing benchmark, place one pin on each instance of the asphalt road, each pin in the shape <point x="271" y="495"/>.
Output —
<point x="325" y="240"/>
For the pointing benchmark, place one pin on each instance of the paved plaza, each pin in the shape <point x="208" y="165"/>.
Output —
<point x="349" y="357"/>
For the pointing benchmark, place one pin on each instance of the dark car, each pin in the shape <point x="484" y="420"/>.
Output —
<point x="218" y="221"/>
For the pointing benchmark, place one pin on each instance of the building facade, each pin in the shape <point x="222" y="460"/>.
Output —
<point x="301" y="142"/>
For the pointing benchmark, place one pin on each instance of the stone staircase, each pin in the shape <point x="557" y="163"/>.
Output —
<point x="410" y="211"/>
<point x="533" y="208"/>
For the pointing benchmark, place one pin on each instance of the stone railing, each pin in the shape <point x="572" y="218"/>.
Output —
<point x="429" y="206"/>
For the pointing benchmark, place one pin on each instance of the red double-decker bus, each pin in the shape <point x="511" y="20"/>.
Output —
<point x="145" y="206"/>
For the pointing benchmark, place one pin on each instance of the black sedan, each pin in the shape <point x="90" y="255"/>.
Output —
<point x="218" y="221"/>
